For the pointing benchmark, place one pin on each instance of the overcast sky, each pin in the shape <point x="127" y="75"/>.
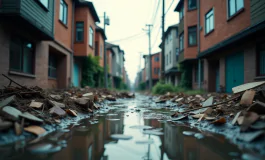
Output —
<point x="128" y="19"/>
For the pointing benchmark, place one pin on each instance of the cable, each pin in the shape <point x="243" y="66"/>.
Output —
<point x="154" y="17"/>
<point x="156" y="38"/>
<point x="127" y="38"/>
<point x="169" y="6"/>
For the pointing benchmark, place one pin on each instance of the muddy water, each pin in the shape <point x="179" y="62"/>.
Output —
<point x="91" y="139"/>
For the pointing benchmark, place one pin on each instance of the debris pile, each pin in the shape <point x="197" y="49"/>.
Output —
<point x="27" y="108"/>
<point x="246" y="108"/>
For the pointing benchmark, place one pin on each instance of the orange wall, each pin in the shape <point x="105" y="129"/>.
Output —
<point x="223" y="29"/>
<point x="190" y="19"/>
<point x="155" y="65"/>
<point x="63" y="33"/>
<point x="83" y="48"/>
<point x="100" y="40"/>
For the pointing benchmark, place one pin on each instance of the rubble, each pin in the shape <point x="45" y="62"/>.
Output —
<point x="37" y="130"/>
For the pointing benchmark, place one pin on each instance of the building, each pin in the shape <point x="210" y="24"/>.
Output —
<point x="156" y="66"/>
<point x="99" y="46"/>
<point x="172" y="73"/>
<point x="222" y="46"/>
<point x="84" y="43"/>
<point x="39" y="51"/>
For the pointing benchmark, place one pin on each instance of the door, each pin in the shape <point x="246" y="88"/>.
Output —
<point x="234" y="71"/>
<point x="76" y="75"/>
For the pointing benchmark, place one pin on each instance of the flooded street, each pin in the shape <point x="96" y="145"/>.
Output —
<point x="128" y="130"/>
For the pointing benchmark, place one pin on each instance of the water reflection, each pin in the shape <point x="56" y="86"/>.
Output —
<point x="95" y="143"/>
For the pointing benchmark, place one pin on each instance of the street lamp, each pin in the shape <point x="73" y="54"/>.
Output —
<point x="106" y="22"/>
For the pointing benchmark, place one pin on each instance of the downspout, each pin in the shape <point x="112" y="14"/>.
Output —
<point x="198" y="43"/>
<point x="72" y="45"/>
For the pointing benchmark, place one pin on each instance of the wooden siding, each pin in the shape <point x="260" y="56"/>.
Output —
<point x="9" y="6"/>
<point x="257" y="11"/>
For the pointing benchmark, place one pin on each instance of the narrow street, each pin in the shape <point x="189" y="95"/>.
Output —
<point x="129" y="129"/>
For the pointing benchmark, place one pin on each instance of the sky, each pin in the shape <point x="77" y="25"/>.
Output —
<point x="128" y="19"/>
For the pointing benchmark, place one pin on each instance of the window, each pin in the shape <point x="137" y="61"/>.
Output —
<point x="181" y="12"/>
<point x="234" y="6"/>
<point x="158" y="71"/>
<point x="177" y="35"/>
<point x="79" y="32"/>
<point x="91" y="36"/>
<point x="209" y="21"/>
<point x="177" y="54"/>
<point x="21" y="56"/>
<point x="45" y="3"/>
<point x="52" y="71"/>
<point x="170" y="37"/>
<point x="155" y="70"/>
<point x="101" y="51"/>
<point x="181" y="42"/>
<point x="63" y="12"/>
<point x="192" y="4"/>
<point x="166" y="59"/>
<point x="192" y="36"/>
<point x="170" y="57"/>
<point x="157" y="58"/>
<point x="261" y="56"/>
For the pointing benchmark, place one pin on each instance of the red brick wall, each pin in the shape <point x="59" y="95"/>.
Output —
<point x="155" y="65"/>
<point x="100" y="40"/>
<point x="62" y="33"/>
<point x="223" y="29"/>
<point x="190" y="19"/>
<point x="83" y="48"/>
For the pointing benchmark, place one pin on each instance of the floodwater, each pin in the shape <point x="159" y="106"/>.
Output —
<point x="145" y="139"/>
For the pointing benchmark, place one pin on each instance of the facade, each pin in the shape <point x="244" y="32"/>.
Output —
<point x="84" y="40"/>
<point x="172" y="74"/>
<point x="229" y="50"/>
<point x="99" y="45"/>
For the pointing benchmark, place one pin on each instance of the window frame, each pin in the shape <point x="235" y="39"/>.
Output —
<point x="194" y="29"/>
<point x="65" y="15"/>
<point x="237" y="11"/>
<point x="79" y="41"/>
<point x="42" y="5"/>
<point x="177" y="54"/>
<point x="205" y="22"/>
<point x="181" y="12"/>
<point x="193" y="8"/>
<point x="50" y="67"/>
<point x="89" y="36"/>
<point x="181" y="39"/>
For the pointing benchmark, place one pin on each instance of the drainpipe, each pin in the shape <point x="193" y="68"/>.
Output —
<point x="198" y="42"/>
<point x="72" y="45"/>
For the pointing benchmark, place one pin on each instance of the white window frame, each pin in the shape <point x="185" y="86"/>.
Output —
<point x="236" y="10"/>
<point x="91" y="36"/>
<point x="205" y="21"/>
<point x="45" y="3"/>
<point x="64" y="16"/>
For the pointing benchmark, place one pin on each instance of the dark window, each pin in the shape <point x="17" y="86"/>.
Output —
<point x="170" y="56"/>
<point x="155" y="70"/>
<point x="234" y="6"/>
<point x="79" y="32"/>
<point x="192" y="4"/>
<point x="157" y="58"/>
<point x="209" y="21"/>
<point x="45" y="3"/>
<point x="192" y="36"/>
<point x="158" y="71"/>
<point x="52" y="70"/>
<point x="91" y="36"/>
<point x="261" y="55"/>
<point x="177" y="54"/>
<point x="63" y="11"/>
<point x="21" y="56"/>
<point x="181" y="42"/>
<point x="181" y="12"/>
<point x="197" y="72"/>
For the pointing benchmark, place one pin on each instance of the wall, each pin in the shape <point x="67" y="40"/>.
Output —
<point x="109" y="58"/>
<point x="257" y="11"/>
<point x="223" y="28"/>
<point x="63" y="33"/>
<point x="155" y="65"/>
<point x="100" y="40"/>
<point x="171" y="47"/>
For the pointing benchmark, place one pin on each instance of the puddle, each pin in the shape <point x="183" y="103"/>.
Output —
<point x="125" y="135"/>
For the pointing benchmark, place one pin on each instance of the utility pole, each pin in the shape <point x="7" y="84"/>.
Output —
<point x="163" y="42"/>
<point x="106" y="22"/>
<point x="150" y="57"/>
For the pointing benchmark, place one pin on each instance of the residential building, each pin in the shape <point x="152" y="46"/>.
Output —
<point x="84" y="43"/>
<point x="172" y="73"/>
<point x="99" y="46"/>
<point x="229" y="49"/>
<point x="39" y="51"/>
<point x="156" y="67"/>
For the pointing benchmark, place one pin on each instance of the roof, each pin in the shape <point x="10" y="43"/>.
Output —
<point x="111" y="46"/>
<point x="179" y="5"/>
<point x="151" y="54"/>
<point x="233" y="39"/>
<point x="172" y="71"/>
<point x="91" y="8"/>
<point x="170" y="28"/>
<point x="99" y="29"/>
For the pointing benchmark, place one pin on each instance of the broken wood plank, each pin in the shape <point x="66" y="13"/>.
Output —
<point x="247" y="86"/>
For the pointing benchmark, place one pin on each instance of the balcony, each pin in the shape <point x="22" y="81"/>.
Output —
<point x="29" y="17"/>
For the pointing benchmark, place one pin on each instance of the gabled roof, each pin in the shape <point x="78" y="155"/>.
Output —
<point x="91" y="7"/>
<point x="100" y="30"/>
<point x="111" y="46"/>
<point x="179" y="5"/>
<point x="175" y="26"/>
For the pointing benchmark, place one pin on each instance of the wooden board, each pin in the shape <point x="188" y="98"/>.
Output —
<point x="247" y="86"/>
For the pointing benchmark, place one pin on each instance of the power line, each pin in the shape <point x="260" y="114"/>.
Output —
<point x="154" y="17"/>
<point x="169" y="6"/>
<point x="127" y="38"/>
<point x="156" y="38"/>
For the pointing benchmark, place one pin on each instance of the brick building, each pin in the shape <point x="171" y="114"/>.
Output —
<point x="222" y="46"/>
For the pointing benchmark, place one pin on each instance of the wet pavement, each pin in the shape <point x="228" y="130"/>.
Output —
<point x="128" y="130"/>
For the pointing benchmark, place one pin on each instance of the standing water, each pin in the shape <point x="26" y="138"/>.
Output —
<point x="126" y="131"/>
